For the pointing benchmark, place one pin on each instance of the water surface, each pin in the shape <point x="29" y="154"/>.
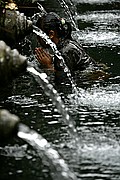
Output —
<point x="96" y="111"/>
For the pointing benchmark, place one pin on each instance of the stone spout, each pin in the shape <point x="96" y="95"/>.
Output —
<point x="8" y="124"/>
<point x="11" y="63"/>
<point x="14" y="26"/>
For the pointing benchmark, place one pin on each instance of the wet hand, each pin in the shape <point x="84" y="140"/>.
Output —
<point x="44" y="58"/>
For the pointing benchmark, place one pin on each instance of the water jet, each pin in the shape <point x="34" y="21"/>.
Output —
<point x="10" y="125"/>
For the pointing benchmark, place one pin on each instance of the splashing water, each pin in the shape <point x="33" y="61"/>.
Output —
<point x="68" y="12"/>
<point x="42" y="11"/>
<point x="96" y="1"/>
<point x="107" y="98"/>
<point x="59" y="169"/>
<point x="43" y="35"/>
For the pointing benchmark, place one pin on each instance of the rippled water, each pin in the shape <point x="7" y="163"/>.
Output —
<point x="96" y="111"/>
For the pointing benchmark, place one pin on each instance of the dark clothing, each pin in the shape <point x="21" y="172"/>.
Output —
<point x="74" y="56"/>
<point x="78" y="62"/>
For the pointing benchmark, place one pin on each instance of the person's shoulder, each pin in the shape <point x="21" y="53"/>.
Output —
<point x="70" y="45"/>
<point x="73" y="44"/>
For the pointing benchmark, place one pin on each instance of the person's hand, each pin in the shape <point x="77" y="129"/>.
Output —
<point x="44" y="58"/>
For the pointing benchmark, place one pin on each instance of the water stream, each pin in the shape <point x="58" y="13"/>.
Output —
<point x="68" y="12"/>
<point x="56" y="53"/>
<point x="50" y="157"/>
<point x="49" y="90"/>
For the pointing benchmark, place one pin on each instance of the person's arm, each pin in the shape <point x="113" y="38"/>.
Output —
<point x="44" y="58"/>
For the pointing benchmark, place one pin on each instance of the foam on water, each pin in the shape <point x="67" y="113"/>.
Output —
<point x="96" y="1"/>
<point x="102" y="29"/>
<point x="100" y="16"/>
<point x="99" y="37"/>
<point x="103" y="98"/>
